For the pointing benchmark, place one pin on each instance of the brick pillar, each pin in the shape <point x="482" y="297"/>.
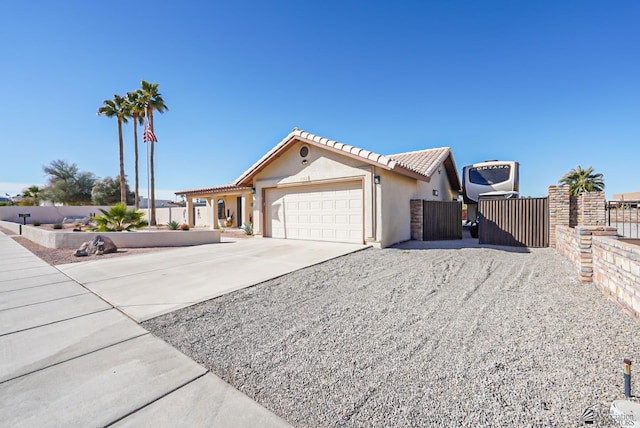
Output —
<point x="559" y="209"/>
<point x="417" y="213"/>
<point x="593" y="210"/>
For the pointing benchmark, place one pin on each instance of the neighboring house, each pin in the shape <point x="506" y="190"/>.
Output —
<point x="630" y="196"/>
<point x="310" y="187"/>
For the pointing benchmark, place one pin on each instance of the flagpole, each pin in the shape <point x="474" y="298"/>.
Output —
<point x="148" y="185"/>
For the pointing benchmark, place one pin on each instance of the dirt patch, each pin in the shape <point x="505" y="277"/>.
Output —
<point x="58" y="256"/>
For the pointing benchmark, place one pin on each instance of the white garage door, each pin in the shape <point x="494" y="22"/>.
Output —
<point x="331" y="212"/>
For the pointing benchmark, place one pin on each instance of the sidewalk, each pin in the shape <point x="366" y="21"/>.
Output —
<point x="68" y="358"/>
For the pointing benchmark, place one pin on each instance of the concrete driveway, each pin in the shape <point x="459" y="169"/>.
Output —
<point x="67" y="358"/>
<point x="147" y="285"/>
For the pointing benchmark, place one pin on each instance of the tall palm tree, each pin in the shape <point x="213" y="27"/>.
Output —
<point x="117" y="107"/>
<point x="136" y="111"/>
<point x="153" y="100"/>
<point x="583" y="180"/>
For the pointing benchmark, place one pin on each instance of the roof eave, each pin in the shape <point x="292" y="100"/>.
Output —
<point x="362" y="155"/>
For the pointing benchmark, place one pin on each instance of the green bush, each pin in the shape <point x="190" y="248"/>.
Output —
<point x="173" y="225"/>
<point x="58" y="226"/>
<point x="37" y="223"/>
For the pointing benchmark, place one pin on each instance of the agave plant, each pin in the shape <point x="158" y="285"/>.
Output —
<point x="119" y="218"/>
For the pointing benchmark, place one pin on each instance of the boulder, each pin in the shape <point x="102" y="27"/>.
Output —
<point x="101" y="245"/>
<point x="98" y="245"/>
<point x="82" y="251"/>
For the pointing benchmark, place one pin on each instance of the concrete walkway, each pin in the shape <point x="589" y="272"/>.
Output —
<point x="68" y="358"/>
<point x="147" y="285"/>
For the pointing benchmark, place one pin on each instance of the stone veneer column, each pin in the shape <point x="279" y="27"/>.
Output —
<point x="417" y="222"/>
<point x="584" y="243"/>
<point x="593" y="209"/>
<point x="559" y="209"/>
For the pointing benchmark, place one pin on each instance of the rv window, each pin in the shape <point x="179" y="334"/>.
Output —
<point x="491" y="174"/>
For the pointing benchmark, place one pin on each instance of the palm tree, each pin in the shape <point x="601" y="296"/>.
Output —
<point x="153" y="100"/>
<point x="583" y="180"/>
<point x="32" y="193"/>
<point x="118" y="108"/>
<point x="136" y="111"/>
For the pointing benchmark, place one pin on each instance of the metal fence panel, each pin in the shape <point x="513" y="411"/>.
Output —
<point x="625" y="216"/>
<point x="514" y="222"/>
<point x="442" y="220"/>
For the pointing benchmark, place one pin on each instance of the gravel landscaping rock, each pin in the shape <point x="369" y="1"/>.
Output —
<point x="411" y="337"/>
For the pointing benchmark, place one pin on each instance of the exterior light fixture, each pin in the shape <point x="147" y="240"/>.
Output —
<point x="253" y="190"/>
<point x="434" y="192"/>
<point x="376" y="179"/>
<point x="305" y="162"/>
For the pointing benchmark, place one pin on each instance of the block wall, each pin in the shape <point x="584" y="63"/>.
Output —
<point x="616" y="271"/>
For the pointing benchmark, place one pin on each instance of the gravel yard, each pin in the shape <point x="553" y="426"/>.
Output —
<point x="410" y="337"/>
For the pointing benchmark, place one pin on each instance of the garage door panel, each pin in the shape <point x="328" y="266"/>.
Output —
<point x="316" y="212"/>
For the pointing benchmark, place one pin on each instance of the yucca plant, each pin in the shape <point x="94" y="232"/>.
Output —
<point x="173" y="225"/>
<point x="119" y="218"/>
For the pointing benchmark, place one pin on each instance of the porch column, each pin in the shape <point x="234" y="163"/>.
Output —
<point x="245" y="209"/>
<point x="213" y="212"/>
<point x="191" y="220"/>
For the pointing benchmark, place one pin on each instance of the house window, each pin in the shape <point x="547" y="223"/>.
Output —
<point x="221" y="208"/>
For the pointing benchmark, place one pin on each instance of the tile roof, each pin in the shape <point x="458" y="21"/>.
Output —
<point x="230" y="187"/>
<point x="300" y="135"/>
<point x="420" y="164"/>
<point x="424" y="162"/>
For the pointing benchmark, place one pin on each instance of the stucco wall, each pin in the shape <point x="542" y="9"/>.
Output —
<point x="396" y="194"/>
<point x="178" y="214"/>
<point x="439" y="182"/>
<point x="48" y="214"/>
<point x="139" y="239"/>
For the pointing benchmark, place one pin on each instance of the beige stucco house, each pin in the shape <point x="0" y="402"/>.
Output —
<point x="310" y="187"/>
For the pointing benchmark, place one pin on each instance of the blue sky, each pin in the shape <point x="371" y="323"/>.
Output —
<point x="551" y="84"/>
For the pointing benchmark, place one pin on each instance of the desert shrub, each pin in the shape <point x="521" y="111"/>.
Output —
<point x="173" y="225"/>
<point x="248" y="228"/>
<point x="37" y="223"/>
<point x="184" y="226"/>
<point x="58" y="226"/>
<point x="119" y="218"/>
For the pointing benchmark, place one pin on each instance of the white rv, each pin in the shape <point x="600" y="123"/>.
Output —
<point x="496" y="179"/>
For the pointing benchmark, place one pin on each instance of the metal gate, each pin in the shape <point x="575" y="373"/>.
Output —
<point x="514" y="222"/>
<point x="441" y="220"/>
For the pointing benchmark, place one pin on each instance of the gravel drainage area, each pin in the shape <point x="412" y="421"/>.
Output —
<point x="415" y="337"/>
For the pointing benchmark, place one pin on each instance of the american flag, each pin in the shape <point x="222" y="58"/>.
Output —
<point x="148" y="134"/>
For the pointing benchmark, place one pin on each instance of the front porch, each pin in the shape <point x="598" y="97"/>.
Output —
<point x="227" y="206"/>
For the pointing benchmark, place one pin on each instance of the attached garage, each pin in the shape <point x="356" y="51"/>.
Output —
<point x="322" y="212"/>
